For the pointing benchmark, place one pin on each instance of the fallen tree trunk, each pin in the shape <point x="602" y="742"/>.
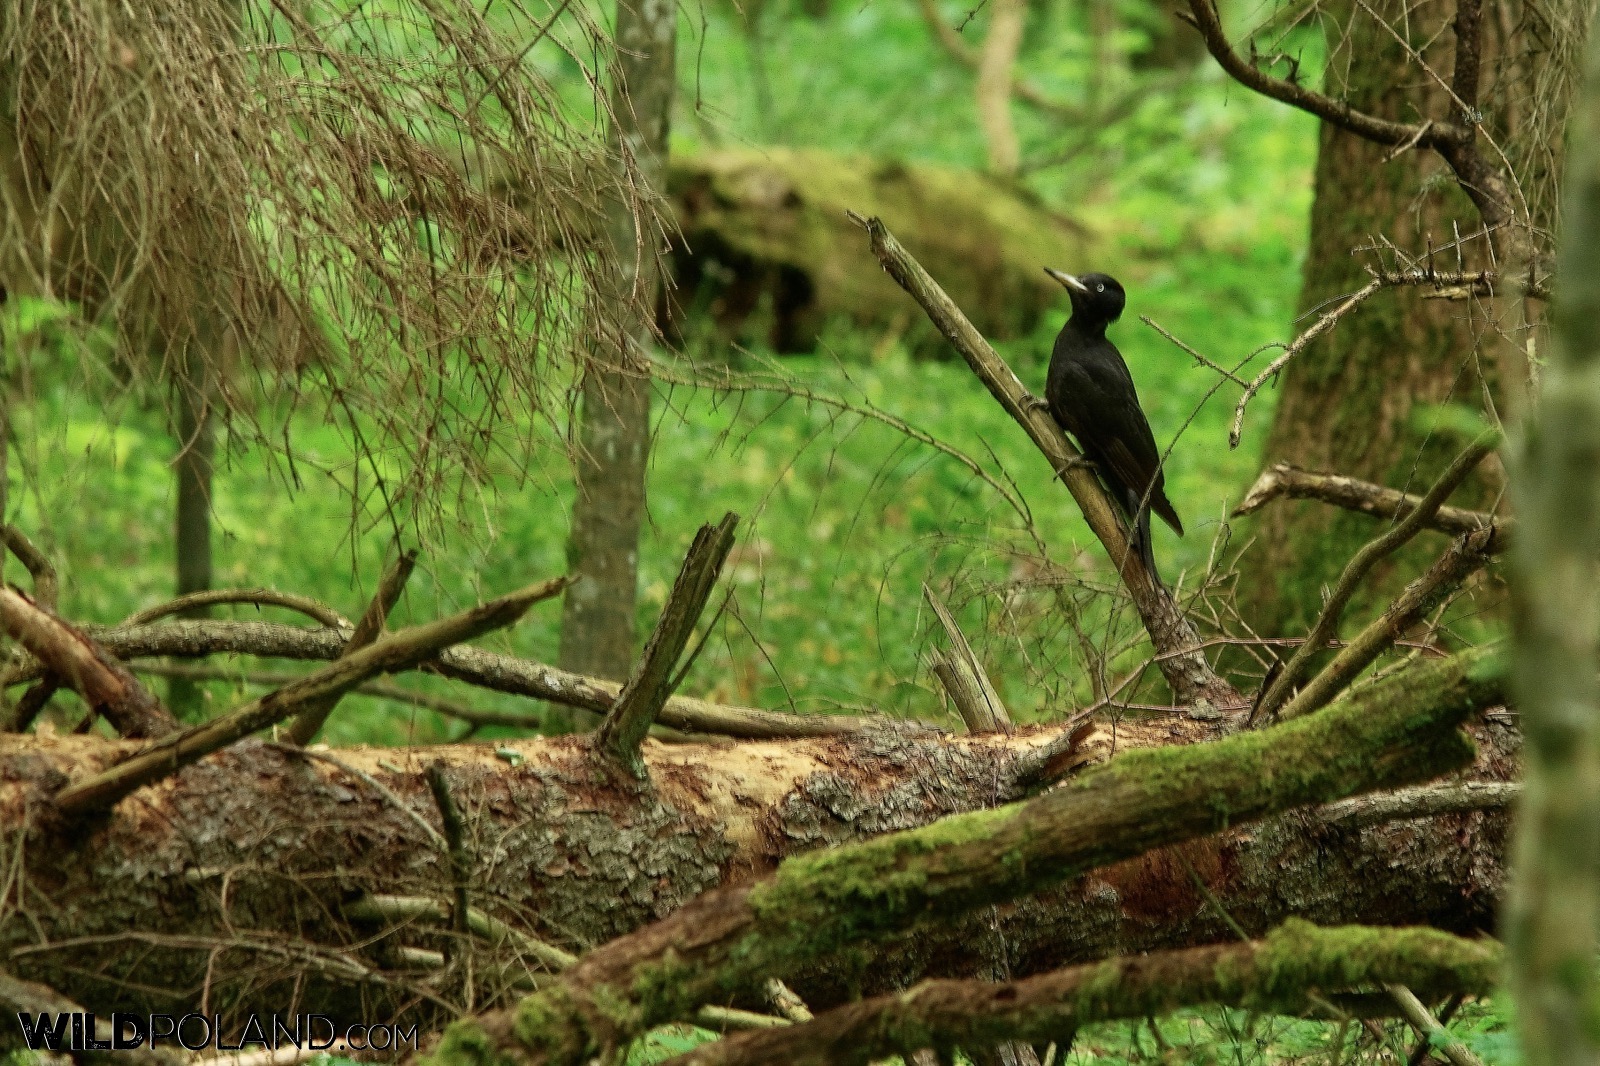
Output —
<point x="234" y="885"/>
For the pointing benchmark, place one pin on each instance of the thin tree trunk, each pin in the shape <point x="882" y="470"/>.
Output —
<point x="996" y="66"/>
<point x="1553" y="917"/>
<point x="195" y="465"/>
<point x="597" y="622"/>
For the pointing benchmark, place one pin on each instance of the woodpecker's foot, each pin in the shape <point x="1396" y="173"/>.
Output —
<point x="1035" y="403"/>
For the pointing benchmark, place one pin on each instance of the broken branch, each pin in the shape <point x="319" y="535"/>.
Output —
<point x="75" y="659"/>
<point x="1380" y="501"/>
<point x="628" y="721"/>
<point x="293" y="601"/>
<point x="310" y="721"/>
<point x="45" y="586"/>
<point x="1327" y="624"/>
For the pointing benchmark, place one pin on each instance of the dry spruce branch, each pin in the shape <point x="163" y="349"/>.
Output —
<point x="1282" y="481"/>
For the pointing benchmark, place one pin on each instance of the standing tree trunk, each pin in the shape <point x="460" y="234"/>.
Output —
<point x="597" y="621"/>
<point x="1553" y="914"/>
<point x="997" y="63"/>
<point x="195" y="464"/>
<point x="1347" y="401"/>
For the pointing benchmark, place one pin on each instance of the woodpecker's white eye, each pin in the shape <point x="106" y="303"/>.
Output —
<point x="1099" y="288"/>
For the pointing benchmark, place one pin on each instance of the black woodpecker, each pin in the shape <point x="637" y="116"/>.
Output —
<point x="1090" y="394"/>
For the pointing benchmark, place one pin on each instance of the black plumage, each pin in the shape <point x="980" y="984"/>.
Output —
<point x="1091" y="395"/>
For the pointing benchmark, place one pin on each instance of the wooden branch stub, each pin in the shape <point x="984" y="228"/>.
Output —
<point x="455" y="836"/>
<point x="76" y="660"/>
<point x="964" y="678"/>
<point x="397" y="651"/>
<point x="629" y="720"/>
<point x="310" y="721"/>
<point x="1180" y="659"/>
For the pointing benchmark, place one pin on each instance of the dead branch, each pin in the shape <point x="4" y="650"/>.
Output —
<point x="1400" y="730"/>
<point x="1182" y="664"/>
<point x="485" y="669"/>
<point x="310" y="721"/>
<point x="1286" y="972"/>
<point x="1465" y="556"/>
<point x="1428" y="1027"/>
<point x="1280" y="480"/>
<point x="964" y="678"/>
<point x="650" y="685"/>
<point x="76" y="660"/>
<point x="456" y="846"/>
<point x="382" y="690"/>
<point x="1421" y="801"/>
<point x="408" y="647"/>
<point x="1455" y="139"/>
<point x="1326" y="321"/>
<point x="1327" y="623"/>
<point x="45" y="585"/>
<point x="293" y="601"/>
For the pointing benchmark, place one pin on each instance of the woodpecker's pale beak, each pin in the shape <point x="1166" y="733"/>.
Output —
<point x="1068" y="280"/>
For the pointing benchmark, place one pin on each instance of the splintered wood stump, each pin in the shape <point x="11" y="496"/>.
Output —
<point x="231" y="885"/>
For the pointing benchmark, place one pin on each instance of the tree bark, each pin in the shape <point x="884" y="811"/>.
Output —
<point x="997" y="63"/>
<point x="597" y="623"/>
<point x="1345" y="404"/>
<point x="1347" y="401"/>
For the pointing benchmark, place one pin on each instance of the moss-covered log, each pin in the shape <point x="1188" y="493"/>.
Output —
<point x="233" y="881"/>
<point x="766" y="251"/>
<point x="837" y="904"/>
<point x="1284" y="973"/>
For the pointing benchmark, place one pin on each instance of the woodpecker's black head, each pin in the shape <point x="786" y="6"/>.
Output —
<point x="1097" y="299"/>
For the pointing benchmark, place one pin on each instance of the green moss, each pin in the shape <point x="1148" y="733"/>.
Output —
<point x="466" y="1043"/>
<point x="546" y="1022"/>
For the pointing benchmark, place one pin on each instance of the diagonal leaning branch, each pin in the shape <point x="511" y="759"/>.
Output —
<point x="1180" y="659"/>
<point x="398" y="651"/>
<point x="848" y="899"/>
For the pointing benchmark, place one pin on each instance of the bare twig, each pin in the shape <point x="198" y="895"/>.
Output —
<point x="1353" y="494"/>
<point x="1186" y="671"/>
<point x="1464" y="557"/>
<point x="381" y="908"/>
<point x="964" y="677"/>
<point x="46" y="588"/>
<point x="628" y="721"/>
<point x="1327" y="321"/>
<point x="309" y="722"/>
<point x="407" y="647"/>
<point x="1419" y="1054"/>
<point x="293" y="601"/>
<point x="1428" y="1027"/>
<point x="76" y="660"/>
<point x="1327" y="623"/>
